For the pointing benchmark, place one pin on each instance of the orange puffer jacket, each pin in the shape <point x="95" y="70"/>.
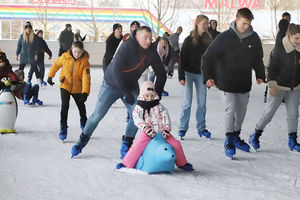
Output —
<point x="75" y="74"/>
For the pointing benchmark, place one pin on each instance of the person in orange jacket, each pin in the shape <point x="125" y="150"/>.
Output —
<point x="74" y="80"/>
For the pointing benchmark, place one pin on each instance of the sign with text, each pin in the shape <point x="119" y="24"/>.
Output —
<point x="64" y="2"/>
<point x="251" y="4"/>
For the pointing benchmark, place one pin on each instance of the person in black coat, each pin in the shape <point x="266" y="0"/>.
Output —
<point x="283" y="27"/>
<point x="213" y="24"/>
<point x="121" y="82"/>
<point x="228" y="64"/>
<point x="112" y="43"/>
<point x="189" y="72"/>
<point x="284" y="83"/>
<point x="42" y="47"/>
<point x="66" y="38"/>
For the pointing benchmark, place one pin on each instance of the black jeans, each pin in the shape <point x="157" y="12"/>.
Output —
<point x="65" y="100"/>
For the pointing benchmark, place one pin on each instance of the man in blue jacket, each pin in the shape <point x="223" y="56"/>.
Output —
<point x="227" y="64"/>
<point x="121" y="81"/>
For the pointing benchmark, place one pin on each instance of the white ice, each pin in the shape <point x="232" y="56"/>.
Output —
<point x="36" y="165"/>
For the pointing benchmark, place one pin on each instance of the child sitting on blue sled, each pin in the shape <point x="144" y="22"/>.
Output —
<point x="151" y="118"/>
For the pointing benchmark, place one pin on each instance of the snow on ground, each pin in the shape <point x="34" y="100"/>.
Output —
<point x="35" y="165"/>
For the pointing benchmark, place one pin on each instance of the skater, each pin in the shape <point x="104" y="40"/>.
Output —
<point x="6" y="72"/>
<point x="75" y="81"/>
<point x="287" y="16"/>
<point x="77" y="36"/>
<point x="213" y="24"/>
<point x="27" y="48"/>
<point x="174" y="42"/>
<point x="151" y="117"/>
<point x="66" y="38"/>
<point x="25" y="90"/>
<point x="134" y="25"/>
<point x="228" y="64"/>
<point x="189" y="72"/>
<point x="165" y="53"/>
<point x="121" y="81"/>
<point x="17" y="85"/>
<point x="42" y="47"/>
<point x="284" y="83"/>
<point x="112" y="43"/>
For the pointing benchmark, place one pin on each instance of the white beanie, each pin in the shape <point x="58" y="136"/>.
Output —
<point x="147" y="88"/>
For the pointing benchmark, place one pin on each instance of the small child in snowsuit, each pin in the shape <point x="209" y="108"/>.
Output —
<point x="74" y="81"/>
<point x="151" y="118"/>
<point x="25" y="90"/>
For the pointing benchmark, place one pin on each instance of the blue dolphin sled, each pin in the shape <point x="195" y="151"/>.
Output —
<point x="158" y="157"/>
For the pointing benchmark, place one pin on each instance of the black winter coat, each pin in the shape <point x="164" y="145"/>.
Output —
<point x="112" y="44"/>
<point x="42" y="47"/>
<point x="284" y="68"/>
<point x="130" y="61"/>
<point x="66" y="38"/>
<point x="191" y="57"/>
<point x="229" y="61"/>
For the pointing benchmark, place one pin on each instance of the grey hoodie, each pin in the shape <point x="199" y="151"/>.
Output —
<point x="241" y="35"/>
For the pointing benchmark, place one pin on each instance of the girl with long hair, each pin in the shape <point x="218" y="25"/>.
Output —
<point x="189" y="71"/>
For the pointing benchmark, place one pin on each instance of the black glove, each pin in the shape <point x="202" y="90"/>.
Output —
<point x="83" y="97"/>
<point x="49" y="80"/>
<point x="128" y="97"/>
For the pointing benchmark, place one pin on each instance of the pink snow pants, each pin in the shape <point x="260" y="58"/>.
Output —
<point x="139" y="146"/>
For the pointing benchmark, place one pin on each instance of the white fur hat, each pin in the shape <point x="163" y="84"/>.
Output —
<point x="147" y="88"/>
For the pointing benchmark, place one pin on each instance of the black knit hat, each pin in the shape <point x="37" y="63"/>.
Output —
<point x="135" y="23"/>
<point x="115" y="26"/>
<point x="28" y="25"/>
<point x="2" y="57"/>
<point x="39" y="31"/>
<point x="68" y="25"/>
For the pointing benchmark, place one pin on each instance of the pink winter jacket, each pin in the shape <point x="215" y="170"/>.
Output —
<point x="158" y="118"/>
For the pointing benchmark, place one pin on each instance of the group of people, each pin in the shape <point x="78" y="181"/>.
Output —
<point x="207" y="58"/>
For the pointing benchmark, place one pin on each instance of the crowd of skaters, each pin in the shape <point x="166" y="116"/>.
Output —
<point x="207" y="58"/>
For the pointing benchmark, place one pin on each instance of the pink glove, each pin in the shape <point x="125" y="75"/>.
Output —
<point x="149" y="132"/>
<point x="165" y="134"/>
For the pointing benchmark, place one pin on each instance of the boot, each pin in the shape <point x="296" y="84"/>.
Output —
<point x="187" y="167"/>
<point x="35" y="100"/>
<point x="63" y="132"/>
<point x="26" y="101"/>
<point x="82" y="142"/>
<point x="181" y="133"/>
<point x="239" y="143"/>
<point x="82" y="125"/>
<point x="229" y="145"/>
<point x="293" y="145"/>
<point x="126" y="144"/>
<point x="205" y="133"/>
<point x="254" y="139"/>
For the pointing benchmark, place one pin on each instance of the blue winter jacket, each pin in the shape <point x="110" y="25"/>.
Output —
<point x="26" y="50"/>
<point x="130" y="61"/>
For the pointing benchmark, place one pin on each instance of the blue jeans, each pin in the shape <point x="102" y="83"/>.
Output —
<point x="107" y="96"/>
<point x="187" y="97"/>
<point x="30" y="91"/>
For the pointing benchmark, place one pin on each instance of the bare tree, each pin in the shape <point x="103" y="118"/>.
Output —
<point x="41" y="12"/>
<point x="283" y="5"/>
<point x="164" y="11"/>
<point x="91" y="24"/>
